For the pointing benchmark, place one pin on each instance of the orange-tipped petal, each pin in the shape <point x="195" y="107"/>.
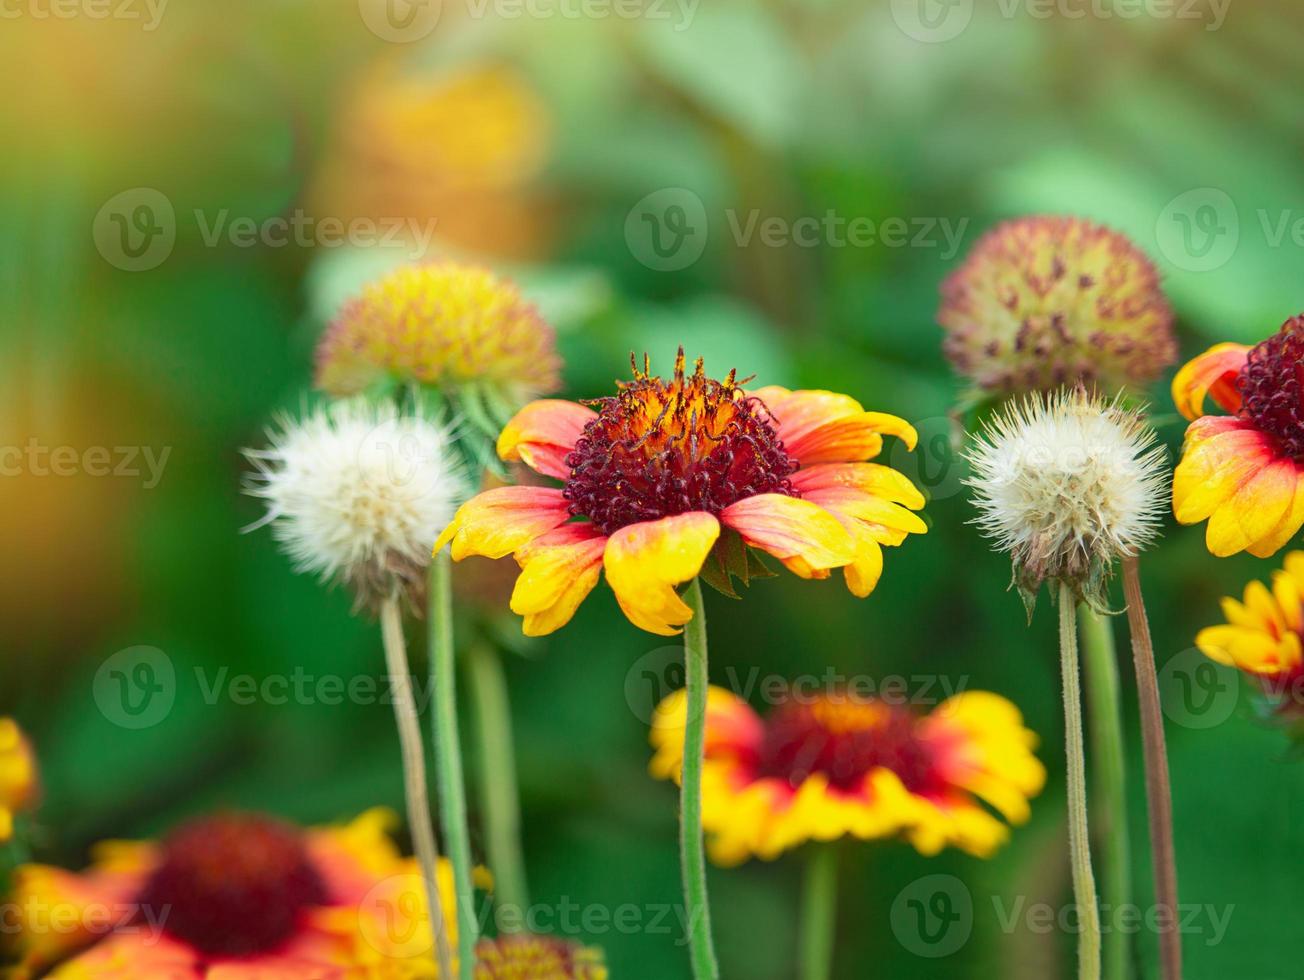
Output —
<point x="1291" y="521"/>
<point x="827" y="427"/>
<point x="644" y="562"/>
<point x="543" y="433"/>
<point x="1212" y="373"/>
<point x="558" y="571"/>
<point x="497" y="522"/>
<point x="792" y="530"/>
<point x="1220" y="454"/>
<point x="882" y="481"/>
<point x="732" y="729"/>
<point x="867" y="507"/>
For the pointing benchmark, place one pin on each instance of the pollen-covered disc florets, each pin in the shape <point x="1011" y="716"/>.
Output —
<point x="524" y="957"/>
<point x="1066" y="483"/>
<point x="356" y="492"/>
<point x="233" y="885"/>
<point x="445" y="325"/>
<point x="1272" y="387"/>
<point x="1046" y="301"/>
<point x="660" y="448"/>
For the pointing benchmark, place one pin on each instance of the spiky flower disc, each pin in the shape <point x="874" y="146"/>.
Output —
<point x="1046" y="301"/>
<point x="529" y="957"/>
<point x="356" y="493"/>
<point x="1066" y="483"/>
<point x="445" y="325"/>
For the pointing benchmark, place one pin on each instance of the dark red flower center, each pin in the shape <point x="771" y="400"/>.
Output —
<point x="659" y="448"/>
<point x="846" y="738"/>
<point x="1272" y="386"/>
<point x="233" y="885"/>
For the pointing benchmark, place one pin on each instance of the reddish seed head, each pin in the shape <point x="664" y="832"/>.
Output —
<point x="233" y="885"/>
<point x="660" y="448"/>
<point x="1272" y="386"/>
<point x="845" y="738"/>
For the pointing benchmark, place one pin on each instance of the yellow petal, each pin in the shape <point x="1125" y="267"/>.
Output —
<point x="644" y="562"/>
<point x="792" y="529"/>
<point x="558" y="571"/>
<point x="1254" y="510"/>
<point x="497" y="522"/>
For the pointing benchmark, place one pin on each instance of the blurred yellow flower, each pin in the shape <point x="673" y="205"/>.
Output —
<point x="680" y="477"/>
<point x="524" y="957"/>
<point x="240" y="896"/>
<point x="446" y="325"/>
<point x="1262" y="634"/>
<point x="1045" y="301"/>
<point x="18" y="780"/>
<point x="1244" y="472"/>
<point x="825" y="766"/>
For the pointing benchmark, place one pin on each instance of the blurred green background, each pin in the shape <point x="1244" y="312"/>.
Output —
<point x="531" y="136"/>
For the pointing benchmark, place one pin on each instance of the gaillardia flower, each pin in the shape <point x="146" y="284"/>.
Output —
<point x="18" y="782"/>
<point x="527" y="957"/>
<point x="669" y="476"/>
<point x="1243" y="472"/>
<point x="356" y="491"/>
<point x="449" y="326"/>
<point x="229" y="897"/>
<point x="1046" y="301"/>
<point x="1262" y="635"/>
<point x="833" y="765"/>
<point x="1067" y="483"/>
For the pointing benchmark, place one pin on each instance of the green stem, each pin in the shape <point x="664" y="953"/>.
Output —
<point x="1105" y="719"/>
<point x="691" y="849"/>
<point x="414" y="774"/>
<point x="1159" y="794"/>
<point x="1084" y="884"/>
<point x="819" y="912"/>
<point x="448" y="760"/>
<point x="499" y="796"/>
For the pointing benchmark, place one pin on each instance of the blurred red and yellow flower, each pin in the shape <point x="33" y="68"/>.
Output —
<point x="668" y="474"/>
<point x="1262" y="634"/>
<point x="1243" y="472"/>
<point x="525" y="957"/>
<point x="19" y="786"/>
<point x="232" y="897"/>
<point x="833" y="765"/>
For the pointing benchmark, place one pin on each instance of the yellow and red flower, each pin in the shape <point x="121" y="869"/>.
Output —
<point x="525" y="957"/>
<point x="1244" y="472"/>
<point x="1262" y="635"/>
<point x="19" y="787"/>
<point x="232" y="897"/>
<point x="834" y="765"/>
<point x="668" y="474"/>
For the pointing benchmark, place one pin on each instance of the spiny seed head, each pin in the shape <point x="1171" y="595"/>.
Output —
<point x="445" y="325"/>
<point x="1046" y="301"/>
<point x="1066" y="483"/>
<point x="1272" y="386"/>
<point x="526" y="957"/>
<point x="357" y="493"/>
<point x="664" y="447"/>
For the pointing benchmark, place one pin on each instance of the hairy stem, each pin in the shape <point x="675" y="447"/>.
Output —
<point x="1084" y="883"/>
<point x="1105" y="721"/>
<point x="819" y="912"/>
<point x="691" y="849"/>
<point x="1159" y="797"/>
<point x="414" y="774"/>
<point x="499" y="796"/>
<point x="448" y="761"/>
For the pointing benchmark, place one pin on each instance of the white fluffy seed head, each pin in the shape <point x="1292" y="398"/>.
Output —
<point x="357" y="492"/>
<point x="1067" y="483"/>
